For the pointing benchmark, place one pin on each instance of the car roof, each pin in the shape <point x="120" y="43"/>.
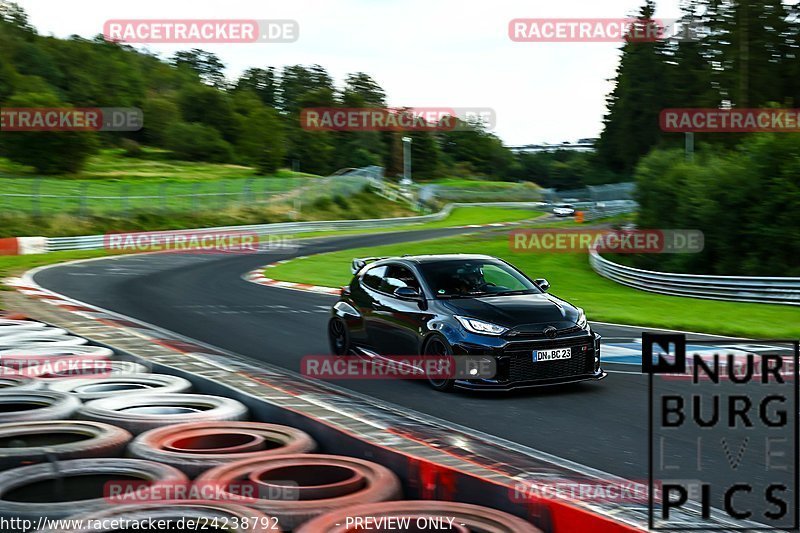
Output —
<point x="433" y="258"/>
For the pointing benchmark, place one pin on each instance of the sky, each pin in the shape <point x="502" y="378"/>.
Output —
<point x="424" y="53"/>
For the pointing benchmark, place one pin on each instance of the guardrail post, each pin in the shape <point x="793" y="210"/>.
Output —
<point x="123" y="196"/>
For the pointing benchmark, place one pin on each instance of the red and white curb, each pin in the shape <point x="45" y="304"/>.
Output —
<point x="257" y="276"/>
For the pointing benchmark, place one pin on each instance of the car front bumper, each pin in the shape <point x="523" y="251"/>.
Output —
<point x="516" y="369"/>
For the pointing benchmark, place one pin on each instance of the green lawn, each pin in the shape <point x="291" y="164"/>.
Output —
<point x="573" y="279"/>
<point x="467" y="183"/>
<point x="152" y="182"/>
<point x="459" y="216"/>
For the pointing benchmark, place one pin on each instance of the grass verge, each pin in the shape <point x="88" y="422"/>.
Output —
<point x="573" y="279"/>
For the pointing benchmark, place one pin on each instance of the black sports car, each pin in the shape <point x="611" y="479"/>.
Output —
<point x="464" y="305"/>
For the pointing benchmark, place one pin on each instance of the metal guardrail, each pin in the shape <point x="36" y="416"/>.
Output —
<point x="97" y="242"/>
<point x="776" y="290"/>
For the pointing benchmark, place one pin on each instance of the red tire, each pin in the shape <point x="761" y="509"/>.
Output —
<point x="448" y="516"/>
<point x="197" y="447"/>
<point x="317" y="484"/>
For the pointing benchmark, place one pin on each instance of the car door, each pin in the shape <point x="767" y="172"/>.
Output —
<point x="364" y="294"/>
<point x="395" y="329"/>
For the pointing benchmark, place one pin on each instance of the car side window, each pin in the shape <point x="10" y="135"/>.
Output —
<point x="373" y="278"/>
<point x="398" y="276"/>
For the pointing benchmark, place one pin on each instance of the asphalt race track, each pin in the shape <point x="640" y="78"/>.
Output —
<point x="599" y="424"/>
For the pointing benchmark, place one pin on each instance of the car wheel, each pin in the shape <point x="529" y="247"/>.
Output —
<point x="438" y="345"/>
<point x="338" y="337"/>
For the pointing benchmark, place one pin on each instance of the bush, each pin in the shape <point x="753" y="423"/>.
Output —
<point x="198" y="142"/>
<point x="49" y="152"/>
<point x="131" y="148"/>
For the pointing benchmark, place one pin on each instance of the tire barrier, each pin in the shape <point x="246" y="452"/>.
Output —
<point x="421" y="515"/>
<point x="94" y="388"/>
<point x="40" y="337"/>
<point x="8" y="382"/>
<point x="91" y="368"/>
<point x="75" y="484"/>
<point x="196" y="447"/>
<point x="11" y="325"/>
<point x="139" y="412"/>
<point x="181" y="515"/>
<point x="295" y="488"/>
<point x="31" y="405"/>
<point x="35" y="360"/>
<point x="37" y="442"/>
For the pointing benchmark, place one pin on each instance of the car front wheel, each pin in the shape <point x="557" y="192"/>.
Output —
<point x="437" y="345"/>
<point x="337" y="336"/>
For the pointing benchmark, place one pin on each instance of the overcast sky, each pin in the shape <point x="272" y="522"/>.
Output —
<point x="424" y="53"/>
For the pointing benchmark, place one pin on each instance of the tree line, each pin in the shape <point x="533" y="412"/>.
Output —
<point x="742" y="190"/>
<point x="192" y="110"/>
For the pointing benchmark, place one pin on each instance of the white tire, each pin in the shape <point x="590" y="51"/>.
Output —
<point x="139" y="412"/>
<point x="121" y="384"/>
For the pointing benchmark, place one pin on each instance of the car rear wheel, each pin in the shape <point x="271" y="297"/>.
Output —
<point x="437" y="345"/>
<point x="338" y="337"/>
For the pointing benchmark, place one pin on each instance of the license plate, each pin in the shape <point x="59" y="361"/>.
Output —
<point x="552" y="355"/>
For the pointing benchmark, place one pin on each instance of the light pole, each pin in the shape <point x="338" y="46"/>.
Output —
<point x="406" y="160"/>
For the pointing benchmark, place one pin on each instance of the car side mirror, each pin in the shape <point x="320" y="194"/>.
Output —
<point x="407" y="293"/>
<point x="543" y="284"/>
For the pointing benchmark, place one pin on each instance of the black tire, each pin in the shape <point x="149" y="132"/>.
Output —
<point x="438" y="345"/>
<point x="139" y="412"/>
<point x="65" y="490"/>
<point x="28" y="405"/>
<point x="38" y="442"/>
<point x="338" y="337"/>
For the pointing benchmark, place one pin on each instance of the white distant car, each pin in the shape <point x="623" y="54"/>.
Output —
<point x="564" y="210"/>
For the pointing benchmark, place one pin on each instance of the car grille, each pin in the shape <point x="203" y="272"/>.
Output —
<point x="537" y="333"/>
<point x="522" y="368"/>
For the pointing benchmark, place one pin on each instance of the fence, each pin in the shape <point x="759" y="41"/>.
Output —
<point x="44" y="196"/>
<point x="97" y="242"/>
<point x="775" y="290"/>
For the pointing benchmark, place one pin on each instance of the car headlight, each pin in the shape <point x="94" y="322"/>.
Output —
<point x="582" y="322"/>
<point x="481" y="327"/>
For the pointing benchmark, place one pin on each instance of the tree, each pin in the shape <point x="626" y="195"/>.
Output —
<point x="206" y="65"/>
<point x="360" y="90"/>
<point x="159" y="114"/>
<point x="198" y="142"/>
<point x="262" y="141"/>
<point x="632" y="122"/>
<point x="262" y="82"/>
<point x="210" y="106"/>
<point x="49" y="152"/>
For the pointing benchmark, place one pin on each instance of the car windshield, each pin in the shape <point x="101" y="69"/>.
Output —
<point x="468" y="279"/>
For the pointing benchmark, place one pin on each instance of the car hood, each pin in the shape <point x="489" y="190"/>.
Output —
<point x="517" y="310"/>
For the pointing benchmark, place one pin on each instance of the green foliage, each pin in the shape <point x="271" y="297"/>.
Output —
<point x="198" y="142"/>
<point x="745" y="201"/>
<point x="49" y="152"/>
<point x="262" y="141"/>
